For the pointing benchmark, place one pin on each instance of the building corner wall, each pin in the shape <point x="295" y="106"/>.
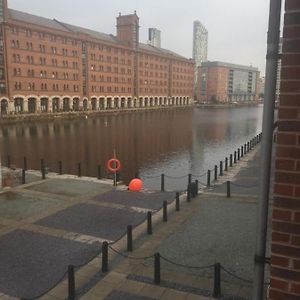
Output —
<point x="285" y="249"/>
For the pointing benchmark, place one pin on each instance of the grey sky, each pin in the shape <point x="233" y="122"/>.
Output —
<point x="237" y="29"/>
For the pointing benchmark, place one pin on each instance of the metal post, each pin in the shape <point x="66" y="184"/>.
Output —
<point x="149" y="222"/>
<point x="8" y="161"/>
<point x="266" y="147"/>
<point x="177" y="202"/>
<point x="216" y="172"/>
<point x="23" y="176"/>
<point x="226" y="164"/>
<point x="99" y="172"/>
<point x="188" y="193"/>
<point x="157" y="268"/>
<point x="189" y="178"/>
<point x="71" y="282"/>
<point x="196" y="187"/>
<point x="165" y="211"/>
<point x="79" y="169"/>
<point x="234" y="157"/>
<point x="129" y="238"/>
<point x="245" y="148"/>
<point x="162" y="183"/>
<point x="230" y="160"/>
<point x="228" y="189"/>
<point x="242" y="151"/>
<point x="60" y="167"/>
<point x="25" y="163"/>
<point x="208" y="178"/>
<point x="248" y="147"/>
<point x="238" y="152"/>
<point x="221" y="168"/>
<point x="104" y="257"/>
<point x="217" y="281"/>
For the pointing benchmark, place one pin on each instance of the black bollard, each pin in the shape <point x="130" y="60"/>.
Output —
<point x="188" y="193"/>
<point x="248" y="147"/>
<point x="196" y="187"/>
<point x="228" y="189"/>
<point x="25" y="163"/>
<point x="8" y="161"/>
<point x="60" y="167"/>
<point x="221" y="168"/>
<point x="149" y="222"/>
<point x="238" y="154"/>
<point x="226" y="164"/>
<point x="23" y="176"/>
<point x="165" y="211"/>
<point x="242" y="151"/>
<point x="208" y="178"/>
<point x="71" y="282"/>
<point x="162" y="183"/>
<point x="157" y="268"/>
<point x="189" y="178"/>
<point x="217" y="281"/>
<point x="99" y="172"/>
<point x="230" y="160"/>
<point x="104" y="257"/>
<point x="216" y="172"/>
<point x="79" y="169"/>
<point x="245" y="148"/>
<point x="177" y="202"/>
<point x="43" y="172"/>
<point x="234" y="157"/>
<point x="129" y="238"/>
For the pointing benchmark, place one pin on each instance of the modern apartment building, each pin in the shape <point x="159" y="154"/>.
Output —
<point x="154" y="37"/>
<point x="200" y="39"/>
<point x="226" y="82"/>
<point x="48" y="66"/>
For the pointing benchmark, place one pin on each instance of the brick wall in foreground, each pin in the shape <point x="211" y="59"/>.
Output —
<point x="285" y="257"/>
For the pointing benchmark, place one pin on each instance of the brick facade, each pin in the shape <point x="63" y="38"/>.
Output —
<point x="285" y="257"/>
<point x="48" y="65"/>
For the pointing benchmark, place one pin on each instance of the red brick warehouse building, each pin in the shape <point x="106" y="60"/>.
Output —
<point x="48" y="66"/>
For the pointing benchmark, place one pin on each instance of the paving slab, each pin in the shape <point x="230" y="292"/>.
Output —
<point x="70" y="187"/>
<point x="151" y="200"/>
<point x="31" y="263"/>
<point x="95" y="220"/>
<point x="18" y="206"/>
<point x="119" y="295"/>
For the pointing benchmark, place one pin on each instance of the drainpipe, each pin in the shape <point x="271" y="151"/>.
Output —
<point x="266" y="148"/>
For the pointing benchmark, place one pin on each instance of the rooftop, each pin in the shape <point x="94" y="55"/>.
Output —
<point x="228" y="65"/>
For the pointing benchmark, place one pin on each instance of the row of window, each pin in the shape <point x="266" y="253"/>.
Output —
<point x="43" y="61"/>
<point x="44" y="74"/>
<point x="153" y="66"/>
<point x="109" y="79"/>
<point x="152" y="90"/>
<point x="109" y="69"/>
<point x="152" y="82"/>
<point x="42" y="35"/>
<point x="155" y="74"/>
<point x="110" y="89"/>
<point x="44" y="87"/>
<point x="110" y="59"/>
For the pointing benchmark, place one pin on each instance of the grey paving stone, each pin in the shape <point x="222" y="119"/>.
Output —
<point x="119" y="295"/>
<point x="139" y="199"/>
<point x="70" y="187"/>
<point x="104" y="222"/>
<point x="32" y="263"/>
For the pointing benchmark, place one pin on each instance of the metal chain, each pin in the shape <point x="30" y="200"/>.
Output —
<point x="185" y="266"/>
<point x="128" y="256"/>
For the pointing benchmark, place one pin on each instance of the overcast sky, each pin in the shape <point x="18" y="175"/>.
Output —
<point x="237" y="29"/>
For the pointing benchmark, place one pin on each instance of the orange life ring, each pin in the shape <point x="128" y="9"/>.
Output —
<point x="113" y="165"/>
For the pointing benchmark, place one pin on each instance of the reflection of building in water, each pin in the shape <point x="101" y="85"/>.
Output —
<point x="225" y="82"/>
<point x="137" y="138"/>
<point x="81" y="69"/>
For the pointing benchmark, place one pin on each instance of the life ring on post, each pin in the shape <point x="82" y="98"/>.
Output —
<point x="113" y="165"/>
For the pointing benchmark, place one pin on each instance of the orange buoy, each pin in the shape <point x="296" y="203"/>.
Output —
<point x="135" y="185"/>
<point x="113" y="165"/>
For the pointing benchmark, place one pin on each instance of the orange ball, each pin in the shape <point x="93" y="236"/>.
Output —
<point x="135" y="185"/>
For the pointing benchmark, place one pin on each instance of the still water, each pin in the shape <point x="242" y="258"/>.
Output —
<point x="174" y="142"/>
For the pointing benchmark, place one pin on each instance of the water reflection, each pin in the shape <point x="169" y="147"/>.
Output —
<point x="170" y="142"/>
